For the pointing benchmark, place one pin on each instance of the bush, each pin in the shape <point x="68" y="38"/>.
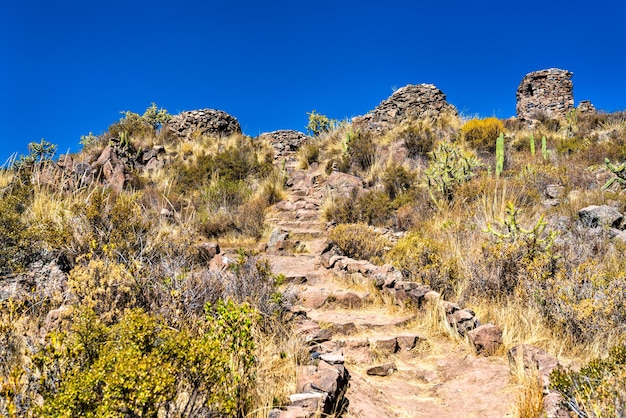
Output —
<point x="419" y="137"/>
<point x="481" y="134"/>
<point x="141" y="367"/>
<point x="361" y="149"/>
<point x="424" y="260"/>
<point x="318" y="124"/>
<point x="598" y="389"/>
<point x="359" y="241"/>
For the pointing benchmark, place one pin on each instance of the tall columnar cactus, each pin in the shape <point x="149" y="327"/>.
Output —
<point x="499" y="155"/>
<point x="618" y="170"/>
<point x="532" y="145"/>
<point x="544" y="148"/>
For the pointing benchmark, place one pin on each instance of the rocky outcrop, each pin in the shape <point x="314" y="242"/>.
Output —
<point x="284" y="141"/>
<point x="408" y="102"/>
<point x="212" y="122"/>
<point x="548" y="92"/>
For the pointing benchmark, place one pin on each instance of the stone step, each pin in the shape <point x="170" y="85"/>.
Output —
<point x="345" y="321"/>
<point x="300" y="268"/>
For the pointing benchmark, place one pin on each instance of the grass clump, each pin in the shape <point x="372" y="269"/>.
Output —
<point x="360" y="241"/>
<point x="481" y="134"/>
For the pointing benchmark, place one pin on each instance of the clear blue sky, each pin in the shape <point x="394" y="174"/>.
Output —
<point x="69" y="67"/>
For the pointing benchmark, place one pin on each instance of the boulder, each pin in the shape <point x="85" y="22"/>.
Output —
<point x="534" y="358"/>
<point x="486" y="338"/>
<point x="594" y="216"/>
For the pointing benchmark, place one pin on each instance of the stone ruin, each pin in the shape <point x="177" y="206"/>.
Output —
<point x="410" y="101"/>
<point x="284" y="141"/>
<point x="546" y="91"/>
<point x="187" y="125"/>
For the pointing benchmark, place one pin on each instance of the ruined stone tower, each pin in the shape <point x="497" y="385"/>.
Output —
<point x="546" y="91"/>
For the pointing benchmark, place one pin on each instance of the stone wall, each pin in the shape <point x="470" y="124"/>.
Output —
<point x="203" y="122"/>
<point x="410" y="101"/>
<point x="284" y="141"/>
<point x="546" y="91"/>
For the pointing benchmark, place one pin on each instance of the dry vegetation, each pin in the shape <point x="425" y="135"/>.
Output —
<point x="138" y="294"/>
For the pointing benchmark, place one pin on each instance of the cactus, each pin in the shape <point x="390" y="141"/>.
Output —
<point x="618" y="170"/>
<point x="499" y="154"/>
<point x="544" y="148"/>
<point x="532" y="145"/>
<point x="450" y="165"/>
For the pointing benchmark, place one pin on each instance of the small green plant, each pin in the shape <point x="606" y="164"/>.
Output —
<point x="532" y="145"/>
<point x="499" y="154"/>
<point x="39" y="153"/>
<point x="618" y="170"/>
<point x="544" y="148"/>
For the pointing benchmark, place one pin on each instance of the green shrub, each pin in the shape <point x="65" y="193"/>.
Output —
<point x="397" y="180"/>
<point x="359" y="241"/>
<point x="424" y="260"/>
<point x="140" y="366"/>
<point x="598" y="389"/>
<point x="481" y="134"/>
<point x="361" y="149"/>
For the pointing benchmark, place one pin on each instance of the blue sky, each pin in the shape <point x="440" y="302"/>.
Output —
<point x="68" y="68"/>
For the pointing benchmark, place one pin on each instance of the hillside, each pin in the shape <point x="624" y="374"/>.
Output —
<point x="408" y="263"/>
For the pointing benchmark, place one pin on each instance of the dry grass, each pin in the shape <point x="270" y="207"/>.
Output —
<point x="528" y="391"/>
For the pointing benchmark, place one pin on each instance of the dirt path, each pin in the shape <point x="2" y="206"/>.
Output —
<point x="432" y="377"/>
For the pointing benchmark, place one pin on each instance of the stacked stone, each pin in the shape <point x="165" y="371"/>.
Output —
<point x="547" y="91"/>
<point x="284" y="141"/>
<point x="203" y="122"/>
<point x="585" y="106"/>
<point x="408" y="102"/>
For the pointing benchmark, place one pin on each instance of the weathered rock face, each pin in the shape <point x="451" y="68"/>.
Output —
<point x="547" y="91"/>
<point x="410" y="101"/>
<point x="284" y="141"/>
<point x="201" y="122"/>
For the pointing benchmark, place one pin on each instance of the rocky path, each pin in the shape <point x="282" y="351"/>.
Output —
<point x="393" y="369"/>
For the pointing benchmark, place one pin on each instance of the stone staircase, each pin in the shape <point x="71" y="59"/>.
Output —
<point x="368" y="356"/>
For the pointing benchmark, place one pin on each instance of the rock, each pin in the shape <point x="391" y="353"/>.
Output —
<point x="388" y="345"/>
<point x="291" y="412"/>
<point x="382" y="370"/>
<point x="313" y="298"/>
<point x="357" y="351"/>
<point x="534" y="358"/>
<point x="407" y="342"/>
<point x="486" y="338"/>
<point x="321" y="381"/>
<point x="277" y="236"/>
<point x="545" y="92"/>
<point x="309" y="401"/>
<point x="463" y="320"/>
<point x="55" y="318"/>
<point x="408" y="102"/>
<point x="594" y="216"/>
<point x="554" y="406"/>
<point x="348" y="299"/>
<point x="208" y="250"/>
<point x="555" y="191"/>
<point x="427" y="376"/>
<point x="342" y="184"/>
<point x="203" y="122"/>
<point x="333" y="358"/>
<point x="450" y="307"/>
